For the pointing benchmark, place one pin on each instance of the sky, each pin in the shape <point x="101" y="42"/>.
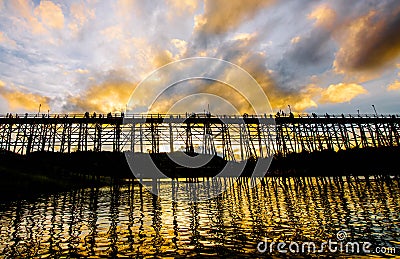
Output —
<point x="316" y="56"/>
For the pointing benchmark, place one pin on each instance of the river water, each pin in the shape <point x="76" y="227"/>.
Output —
<point x="126" y="220"/>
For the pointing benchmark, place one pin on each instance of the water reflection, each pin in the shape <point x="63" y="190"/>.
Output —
<point x="128" y="220"/>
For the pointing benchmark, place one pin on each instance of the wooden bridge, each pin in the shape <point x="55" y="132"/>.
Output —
<point x="232" y="137"/>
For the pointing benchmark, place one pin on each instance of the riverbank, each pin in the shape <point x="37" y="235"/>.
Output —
<point x="17" y="184"/>
<point x="23" y="176"/>
<point x="382" y="161"/>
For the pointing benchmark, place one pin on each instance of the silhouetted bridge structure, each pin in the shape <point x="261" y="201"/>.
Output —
<point x="232" y="137"/>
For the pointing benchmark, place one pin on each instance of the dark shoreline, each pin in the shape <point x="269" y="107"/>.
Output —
<point x="23" y="176"/>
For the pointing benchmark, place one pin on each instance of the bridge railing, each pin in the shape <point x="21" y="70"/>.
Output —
<point x="189" y="115"/>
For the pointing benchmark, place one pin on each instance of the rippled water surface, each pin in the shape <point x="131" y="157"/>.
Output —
<point x="129" y="221"/>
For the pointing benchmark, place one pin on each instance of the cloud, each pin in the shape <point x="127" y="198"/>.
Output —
<point x="394" y="86"/>
<point x="24" y="9"/>
<point x="222" y="15"/>
<point x="314" y="49"/>
<point x="125" y="7"/>
<point x="301" y="46"/>
<point x="239" y="51"/>
<point x="4" y="40"/>
<point x="110" y="96"/>
<point x="195" y="95"/>
<point x="181" y="7"/>
<point x="312" y="95"/>
<point x="299" y="100"/>
<point x="50" y="14"/>
<point x="370" y="42"/>
<point x="341" y="93"/>
<point x="180" y="46"/>
<point x="81" y="14"/>
<point x="162" y="57"/>
<point x="82" y="71"/>
<point x="65" y="50"/>
<point x="18" y="100"/>
<point x="324" y="16"/>
<point x="295" y="40"/>
<point x="357" y="44"/>
<point x="113" y="33"/>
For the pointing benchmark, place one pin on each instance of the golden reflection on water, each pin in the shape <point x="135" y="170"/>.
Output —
<point x="128" y="221"/>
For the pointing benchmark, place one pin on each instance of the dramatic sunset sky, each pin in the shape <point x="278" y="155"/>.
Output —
<point x="317" y="56"/>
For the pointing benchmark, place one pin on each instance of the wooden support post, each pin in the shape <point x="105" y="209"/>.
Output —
<point x="98" y="133"/>
<point x="54" y="137"/>
<point x="241" y="142"/>
<point x="80" y="137"/>
<point x="171" y="138"/>
<point x="69" y="137"/>
<point x="354" y="134"/>
<point x="17" y="138"/>
<point x="133" y="137"/>
<point x="9" y="134"/>
<point x="141" y="137"/>
<point x="86" y="137"/>
<point x="189" y="140"/>
<point x="260" y="147"/>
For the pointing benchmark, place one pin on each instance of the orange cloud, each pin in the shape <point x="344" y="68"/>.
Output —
<point x="105" y="97"/>
<point x="82" y="71"/>
<point x="221" y="16"/>
<point x="50" y="14"/>
<point x="113" y="33"/>
<point x="18" y="99"/>
<point x="341" y="93"/>
<point x="180" y="45"/>
<point x="312" y="95"/>
<point x="24" y="8"/>
<point x="394" y="86"/>
<point x="323" y="15"/>
<point x="295" y="40"/>
<point x="125" y="8"/>
<point x="151" y="56"/>
<point x="183" y="6"/>
<point x="368" y="44"/>
<point x="162" y="57"/>
<point x="299" y="101"/>
<point x="81" y="14"/>
<point x="254" y="62"/>
<point x="195" y="95"/>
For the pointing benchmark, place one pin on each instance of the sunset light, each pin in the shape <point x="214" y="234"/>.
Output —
<point x="77" y="56"/>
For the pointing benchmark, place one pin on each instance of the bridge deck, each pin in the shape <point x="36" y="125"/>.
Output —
<point x="198" y="118"/>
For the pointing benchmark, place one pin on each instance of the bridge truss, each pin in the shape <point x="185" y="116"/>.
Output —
<point x="231" y="137"/>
